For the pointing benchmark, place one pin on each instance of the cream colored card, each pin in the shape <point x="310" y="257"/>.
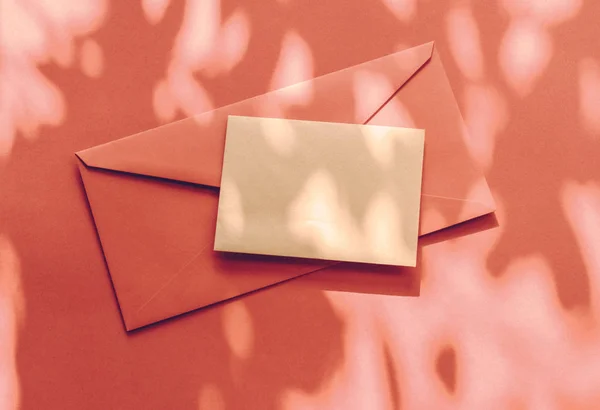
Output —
<point x="320" y="190"/>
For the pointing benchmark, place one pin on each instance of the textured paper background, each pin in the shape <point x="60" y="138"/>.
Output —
<point x="260" y="210"/>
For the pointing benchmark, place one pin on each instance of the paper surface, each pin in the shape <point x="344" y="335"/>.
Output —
<point x="320" y="190"/>
<point x="154" y="195"/>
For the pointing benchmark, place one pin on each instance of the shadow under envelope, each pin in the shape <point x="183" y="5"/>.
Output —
<point x="391" y="280"/>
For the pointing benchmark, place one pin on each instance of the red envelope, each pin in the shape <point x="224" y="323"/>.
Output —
<point x="154" y="195"/>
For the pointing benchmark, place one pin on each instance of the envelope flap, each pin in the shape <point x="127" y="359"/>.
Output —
<point x="174" y="151"/>
<point x="454" y="187"/>
<point x="191" y="150"/>
<point x="157" y="241"/>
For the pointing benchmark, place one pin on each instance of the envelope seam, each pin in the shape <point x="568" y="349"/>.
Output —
<point x="170" y="280"/>
<point x="455" y="199"/>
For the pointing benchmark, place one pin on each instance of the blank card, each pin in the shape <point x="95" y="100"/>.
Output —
<point x="343" y="192"/>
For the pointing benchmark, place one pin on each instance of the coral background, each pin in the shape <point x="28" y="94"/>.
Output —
<point x="507" y="317"/>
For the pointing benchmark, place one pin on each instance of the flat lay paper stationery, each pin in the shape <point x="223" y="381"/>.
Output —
<point x="154" y="195"/>
<point x="262" y="210"/>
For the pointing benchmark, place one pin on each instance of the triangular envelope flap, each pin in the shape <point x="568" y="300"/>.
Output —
<point x="454" y="189"/>
<point x="191" y="150"/>
<point x="157" y="240"/>
<point x="439" y="213"/>
<point x="176" y="151"/>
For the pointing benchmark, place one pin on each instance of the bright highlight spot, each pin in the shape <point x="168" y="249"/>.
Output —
<point x="404" y="10"/>
<point x="234" y="40"/>
<point x="206" y="47"/>
<point x="380" y="143"/>
<point x="581" y="203"/>
<point x="154" y="10"/>
<point x="318" y="217"/>
<point x="92" y="58"/>
<point x="198" y="33"/>
<point x="547" y="12"/>
<point x="589" y="95"/>
<point x="238" y="329"/>
<point x="163" y="103"/>
<point x="295" y="63"/>
<point x="371" y="90"/>
<point x="11" y="308"/>
<point x="465" y="45"/>
<point x="383" y="234"/>
<point x="280" y="136"/>
<point x="230" y="204"/>
<point x="524" y="54"/>
<point x="211" y="398"/>
<point x="190" y="94"/>
<point x="486" y="115"/>
<point x="33" y="33"/>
